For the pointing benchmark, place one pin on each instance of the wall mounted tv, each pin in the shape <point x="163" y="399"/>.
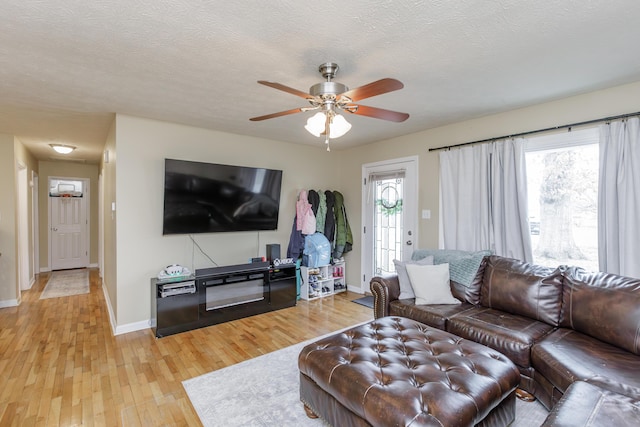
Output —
<point x="209" y="198"/>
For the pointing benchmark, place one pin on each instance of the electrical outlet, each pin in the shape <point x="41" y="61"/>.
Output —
<point x="426" y="214"/>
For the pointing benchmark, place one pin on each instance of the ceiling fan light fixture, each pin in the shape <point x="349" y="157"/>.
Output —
<point x="315" y="124"/>
<point x="62" y="149"/>
<point x="330" y="96"/>
<point x="338" y="126"/>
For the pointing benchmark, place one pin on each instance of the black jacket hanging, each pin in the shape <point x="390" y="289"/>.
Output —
<point x="330" y="222"/>
<point x="314" y="198"/>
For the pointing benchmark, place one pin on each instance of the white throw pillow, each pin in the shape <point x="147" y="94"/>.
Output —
<point x="406" y="291"/>
<point x="431" y="284"/>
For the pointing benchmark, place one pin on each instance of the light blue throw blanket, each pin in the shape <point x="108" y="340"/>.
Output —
<point x="463" y="265"/>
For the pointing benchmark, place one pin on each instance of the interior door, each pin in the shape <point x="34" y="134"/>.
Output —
<point x="68" y="226"/>
<point x="389" y="200"/>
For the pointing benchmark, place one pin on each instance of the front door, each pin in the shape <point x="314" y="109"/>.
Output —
<point x="68" y="223"/>
<point x="389" y="201"/>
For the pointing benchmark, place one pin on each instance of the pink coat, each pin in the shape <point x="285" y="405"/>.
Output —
<point x="306" y="220"/>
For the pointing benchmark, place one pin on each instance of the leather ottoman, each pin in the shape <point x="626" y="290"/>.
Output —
<point x="395" y="371"/>
<point x="585" y="404"/>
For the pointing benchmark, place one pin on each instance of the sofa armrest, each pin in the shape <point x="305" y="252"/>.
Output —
<point x="384" y="289"/>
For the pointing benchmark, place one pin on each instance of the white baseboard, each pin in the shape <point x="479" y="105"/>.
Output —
<point x="132" y="327"/>
<point x="355" y="289"/>
<point x="121" y="329"/>
<point x="9" y="303"/>
<point x="47" y="269"/>
<point x="112" y="317"/>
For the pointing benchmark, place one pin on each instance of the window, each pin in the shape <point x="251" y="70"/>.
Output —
<point x="562" y="181"/>
<point x="65" y="188"/>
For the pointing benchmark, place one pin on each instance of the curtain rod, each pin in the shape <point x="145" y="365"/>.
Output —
<point x="515" y="135"/>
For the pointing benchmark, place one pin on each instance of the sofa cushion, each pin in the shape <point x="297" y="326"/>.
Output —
<point x="588" y="405"/>
<point x="406" y="289"/>
<point x="510" y="334"/>
<point x="604" y="306"/>
<point x="431" y="284"/>
<point x="520" y="288"/>
<point x="434" y="315"/>
<point x="465" y="270"/>
<point x="565" y="356"/>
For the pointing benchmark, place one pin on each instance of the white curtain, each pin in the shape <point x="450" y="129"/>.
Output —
<point x="464" y="198"/>
<point x="483" y="199"/>
<point x="619" y="198"/>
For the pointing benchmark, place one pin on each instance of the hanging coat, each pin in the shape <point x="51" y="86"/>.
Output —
<point x="344" y="238"/>
<point x="321" y="216"/>
<point x="330" y="219"/>
<point x="296" y="242"/>
<point x="314" y="199"/>
<point x="306" y="220"/>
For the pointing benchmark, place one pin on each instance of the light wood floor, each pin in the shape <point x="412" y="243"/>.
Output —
<point x="61" y="365"/>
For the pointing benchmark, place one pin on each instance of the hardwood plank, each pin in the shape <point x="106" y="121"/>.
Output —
<point x="61" y="364"/>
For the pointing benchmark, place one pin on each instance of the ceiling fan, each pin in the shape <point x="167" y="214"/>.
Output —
<point x="330" y="97"/>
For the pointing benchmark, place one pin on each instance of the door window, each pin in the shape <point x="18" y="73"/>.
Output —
<point x="388" y="226"/>
<point x="65" y="188"/>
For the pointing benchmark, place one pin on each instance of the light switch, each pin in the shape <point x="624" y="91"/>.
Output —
<point x="426" y="214"/>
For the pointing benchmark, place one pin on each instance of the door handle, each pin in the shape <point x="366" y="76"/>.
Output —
<point x="54" y="229"/>
<point x="409" y="243"/>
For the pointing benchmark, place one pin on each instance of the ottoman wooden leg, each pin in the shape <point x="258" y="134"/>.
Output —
<point x="524" y="395"/>
<point x="309" y="412"/>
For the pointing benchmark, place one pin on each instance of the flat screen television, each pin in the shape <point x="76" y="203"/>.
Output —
<point x="210" y="198"/>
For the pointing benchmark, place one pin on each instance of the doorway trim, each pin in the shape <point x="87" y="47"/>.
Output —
<point x="35" y="222"/>
<point x="24" y="258"/>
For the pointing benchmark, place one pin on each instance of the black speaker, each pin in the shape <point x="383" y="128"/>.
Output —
<point x="273" y="252"/>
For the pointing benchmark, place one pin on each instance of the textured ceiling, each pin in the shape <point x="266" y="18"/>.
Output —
<point x="67" y="65"/>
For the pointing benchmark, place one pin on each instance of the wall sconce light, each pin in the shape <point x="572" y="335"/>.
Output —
<point x="62" y="149"/>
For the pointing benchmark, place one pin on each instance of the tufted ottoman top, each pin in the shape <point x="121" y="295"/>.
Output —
<point x="396" y="371"/>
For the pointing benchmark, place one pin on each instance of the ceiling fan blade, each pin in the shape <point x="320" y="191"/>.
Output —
<point x="372" y="89"/>
<point x="377" y="113"/>
<point x="285" y="89"/>
<point x="273" y="115"/>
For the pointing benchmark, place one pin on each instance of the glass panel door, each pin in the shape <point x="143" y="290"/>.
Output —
<point x="388" y="223"/>
<point x="389" y="206"/>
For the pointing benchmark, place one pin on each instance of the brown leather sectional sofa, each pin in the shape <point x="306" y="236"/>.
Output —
<point x="558" y="326"/>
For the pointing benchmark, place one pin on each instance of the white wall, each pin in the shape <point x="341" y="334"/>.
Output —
<point x="618" y="100"/>
<point x="142" y="145"/>
<point x="142" y="250"/>
<point x="9" y="292"/>
<point x="12" y="152"/>
<point x="109" y="245"/>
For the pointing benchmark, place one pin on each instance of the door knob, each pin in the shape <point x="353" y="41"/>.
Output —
<point x="409" y="243"/>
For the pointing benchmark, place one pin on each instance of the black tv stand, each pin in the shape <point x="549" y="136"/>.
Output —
<point x="221" y="294"/>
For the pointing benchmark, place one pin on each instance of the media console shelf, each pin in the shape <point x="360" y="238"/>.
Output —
<point x="221" y="294"/>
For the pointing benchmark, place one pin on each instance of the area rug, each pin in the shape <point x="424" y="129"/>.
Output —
<point x="64" y="283"/>
<point x="264" y="392"/>
<point x="366" y="301"/>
